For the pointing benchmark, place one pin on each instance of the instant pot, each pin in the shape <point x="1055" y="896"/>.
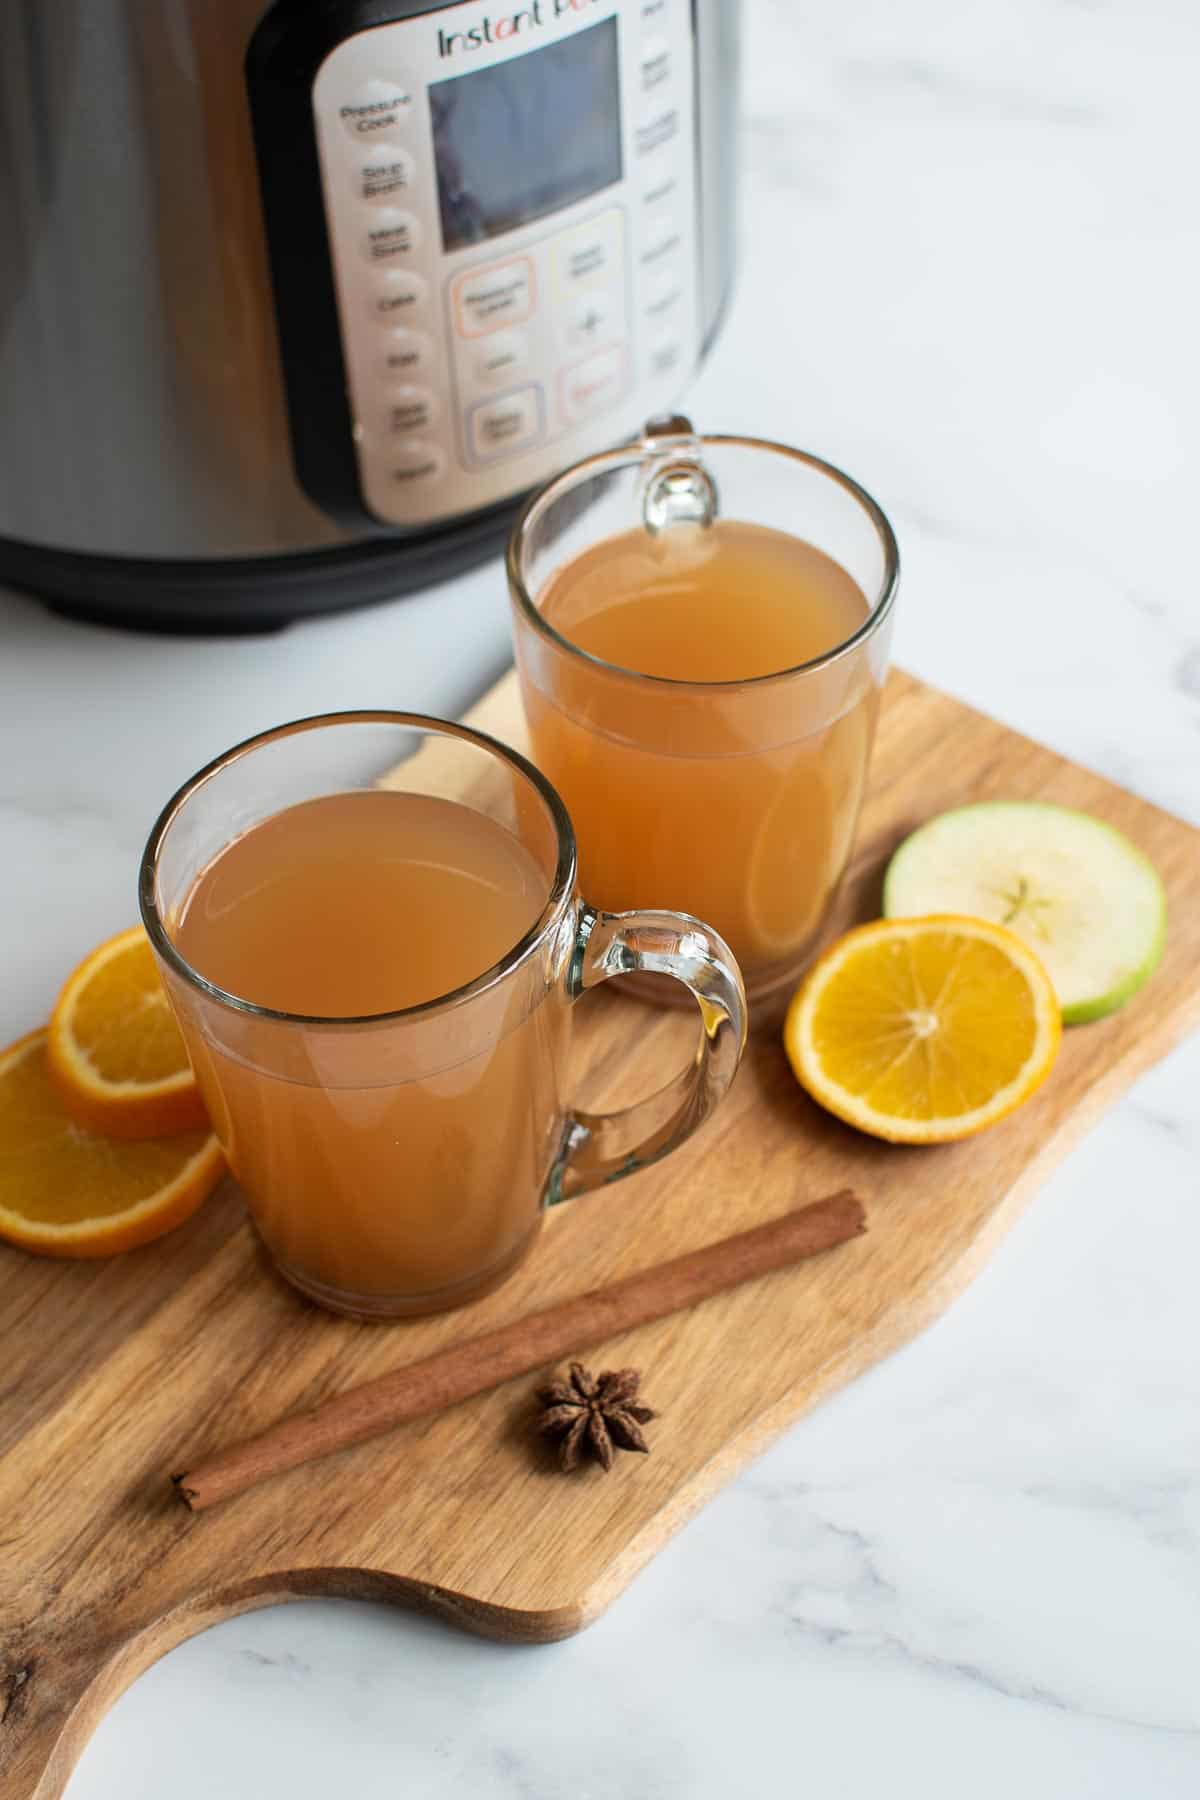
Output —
<point x="298" y="301"/>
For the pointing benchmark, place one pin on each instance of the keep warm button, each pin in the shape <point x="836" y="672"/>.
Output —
<point x="594" y="384"/>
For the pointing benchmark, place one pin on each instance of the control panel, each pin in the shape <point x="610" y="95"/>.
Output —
<point x="510" y="210"/>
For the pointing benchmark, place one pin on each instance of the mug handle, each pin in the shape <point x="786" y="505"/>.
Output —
<point x="601" y="1147"/>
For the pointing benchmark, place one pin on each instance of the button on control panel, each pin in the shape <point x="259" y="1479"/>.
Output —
<point x="496" y="325"/>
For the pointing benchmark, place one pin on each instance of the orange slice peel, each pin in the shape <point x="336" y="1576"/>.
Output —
<point x="68" y="1191"/>
<point x="925" y="1030"/>
<point x="115" y="1050"/>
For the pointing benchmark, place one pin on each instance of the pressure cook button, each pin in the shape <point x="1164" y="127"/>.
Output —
<point x="377" y="106"/>
<point x="501" y="356"/>
<point x="656" y="62"/>
<point x="501" y="294"/>
<point x="405" y="353"/>
<point x="391" y="237"/>
<point x="502" y="427"/>
<point x="385" y="172"/>
<point x="594" y="384"/>
<point x="412" y="465"/>
<point x="655" y="128"/>
<point x="398" y="297"/>
<point x="409" y="409"/>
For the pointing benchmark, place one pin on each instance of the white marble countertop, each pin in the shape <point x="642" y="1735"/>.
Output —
<point x="969" y="275"/>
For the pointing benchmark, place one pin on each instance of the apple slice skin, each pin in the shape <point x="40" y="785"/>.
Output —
<point x="1007" y="815"/>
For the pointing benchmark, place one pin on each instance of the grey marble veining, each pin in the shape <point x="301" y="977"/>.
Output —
<point x="969" y="274"/>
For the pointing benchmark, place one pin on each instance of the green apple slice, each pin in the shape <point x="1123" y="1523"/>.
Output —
<point x="1076" y="889"/>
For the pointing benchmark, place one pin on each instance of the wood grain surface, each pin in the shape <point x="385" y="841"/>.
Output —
<point x="116" y="1373"/>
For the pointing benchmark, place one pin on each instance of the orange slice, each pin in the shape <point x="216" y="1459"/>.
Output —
<point x="924" y="1030"/>
<point x="67" y="1191"/>
<point x="115" y="1049"/>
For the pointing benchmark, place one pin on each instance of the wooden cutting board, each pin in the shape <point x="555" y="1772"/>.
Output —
<point x="114" y="1373"/>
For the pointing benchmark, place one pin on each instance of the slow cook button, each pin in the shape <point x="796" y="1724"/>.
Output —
<point x="391" y="237"/>
<point x="384" y="173"/>
<point x="405" y="353"/>
<point x="655" y="128"/>
<point x="502" y="294"/>
<point x="412" y="465"/>
<point x="409" y="409"/>
<point x="377" y="106"/>
<point x="501" y="357"/>
<point x="398" y="297"/>
<point x="502" y="427"/>
<point x="594" y="384"/>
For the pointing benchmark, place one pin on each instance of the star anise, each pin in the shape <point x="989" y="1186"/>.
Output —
<point x="599" y="1412"/>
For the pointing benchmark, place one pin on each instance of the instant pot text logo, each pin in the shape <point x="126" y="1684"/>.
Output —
<point x="499" y="28"/>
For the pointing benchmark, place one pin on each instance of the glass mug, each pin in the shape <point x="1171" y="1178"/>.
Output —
<point x="400" y="1162"/>
<point x="736" y="800"/>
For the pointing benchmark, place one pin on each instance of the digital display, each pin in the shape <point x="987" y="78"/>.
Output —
<point x="528" y="136"/>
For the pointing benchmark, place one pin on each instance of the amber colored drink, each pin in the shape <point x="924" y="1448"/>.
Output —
<point x="365" y="1177"/>
<point x="734" y="803"/>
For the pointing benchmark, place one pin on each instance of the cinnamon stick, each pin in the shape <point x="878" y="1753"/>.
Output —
<point x="449" y="1376"/>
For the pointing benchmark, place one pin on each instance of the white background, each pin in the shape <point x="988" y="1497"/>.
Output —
<point x="969" y="273"/>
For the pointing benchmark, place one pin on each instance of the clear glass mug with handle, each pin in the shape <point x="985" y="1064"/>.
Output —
<point x="733" y="799"/>
<point x="400" y="1162"/>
